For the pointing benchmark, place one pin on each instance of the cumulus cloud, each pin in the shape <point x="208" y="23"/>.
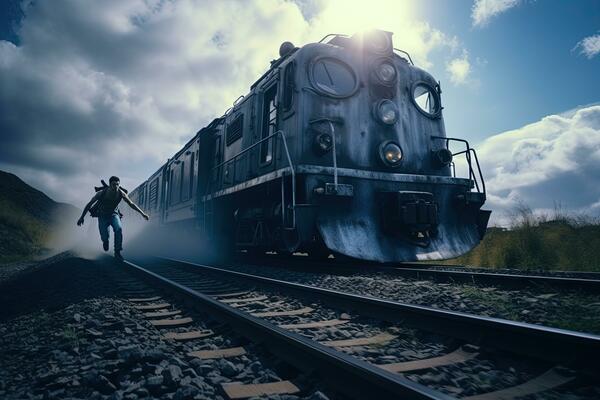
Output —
<point x="114" y="88"/>
<point x="459" y="69"/>
<point x="484" y="10"/>
<point x="589" y="46"/>
<point x="554" y="160"/>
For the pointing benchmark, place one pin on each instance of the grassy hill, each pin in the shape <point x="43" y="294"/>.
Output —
<point x="570" y="243"/>
<point x="27" y="219"/>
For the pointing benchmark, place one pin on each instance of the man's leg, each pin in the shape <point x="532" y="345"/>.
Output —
<point x="116" y="224"/>
<point x="103" y="223"/>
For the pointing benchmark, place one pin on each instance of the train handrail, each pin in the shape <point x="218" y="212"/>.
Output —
<point x="289" y="160"/>
<point x="469" y="152"/>
<point x="334" y="35"/>
<point x="406" y="53"/>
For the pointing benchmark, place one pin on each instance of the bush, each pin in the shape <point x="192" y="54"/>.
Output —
<point x="559" y="241"/>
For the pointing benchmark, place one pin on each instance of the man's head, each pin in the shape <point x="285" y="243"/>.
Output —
<point x="114" y="182"/>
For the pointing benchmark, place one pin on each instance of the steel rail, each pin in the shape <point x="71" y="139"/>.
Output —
<point x="512" y="280"/>
<point x="355" y="378"/>
<point x="545" y="343"/>
<point x="516" y="281"/>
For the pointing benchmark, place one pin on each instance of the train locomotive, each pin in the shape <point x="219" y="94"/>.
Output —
<point x="340" y="148"/>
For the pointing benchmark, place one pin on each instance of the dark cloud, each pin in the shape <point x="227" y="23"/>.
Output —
<point x="96" y="89"/>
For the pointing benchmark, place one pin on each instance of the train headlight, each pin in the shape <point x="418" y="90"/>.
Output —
<point x="383" y="72"/>
<point x="386" y="111"/>
<point x="386" y="72"/>
<point x="379" y="42"/>
<point x="323" y="142"/>
<point x="390" y="153"/>
<point x="442" y="157"/>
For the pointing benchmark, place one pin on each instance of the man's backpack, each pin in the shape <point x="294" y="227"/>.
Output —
<point x="94" y="209"/>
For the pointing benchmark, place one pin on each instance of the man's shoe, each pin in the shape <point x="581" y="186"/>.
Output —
<point x="105" y="246"/>
<point x="118" y="256"/>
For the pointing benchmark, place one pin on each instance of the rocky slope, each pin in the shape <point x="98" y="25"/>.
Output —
<point x="27" y="219"/>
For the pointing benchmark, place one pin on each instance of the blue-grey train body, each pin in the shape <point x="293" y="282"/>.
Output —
<point x="330" y="151"/>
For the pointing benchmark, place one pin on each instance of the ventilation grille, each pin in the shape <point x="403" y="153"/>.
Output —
<point x="153" y="194"/>
<point x="234" y="130"/>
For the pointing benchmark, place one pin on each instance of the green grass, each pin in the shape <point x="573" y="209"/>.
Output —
<point x="561" y="242"/>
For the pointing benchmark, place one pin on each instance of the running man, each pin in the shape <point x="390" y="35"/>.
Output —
<point x="108" y="199"/>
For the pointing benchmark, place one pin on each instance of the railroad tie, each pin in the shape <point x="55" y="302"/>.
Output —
<point x="243" y="300"/>
<point x="160" y="314"/>
<point x="144" y="299"/>
<point x="184" y="336"/>
<point x="318" y="324"/>
<point x="220" y="353"/>
<point x="548" y="380"/>
<point x="234" y="294"/>
<point x="164" y="323"/>
<point x="152" y="306"/>
<point x="377" y="339"/>
<point x="457" y="356"/>
<point x="305" y="310"/>
<point x="236" y="390"/>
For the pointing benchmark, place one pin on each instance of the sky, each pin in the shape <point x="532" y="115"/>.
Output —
<point x="115" y="87"/>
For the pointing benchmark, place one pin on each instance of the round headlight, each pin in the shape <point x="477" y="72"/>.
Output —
<point x="387" y="112"/>
<point x="390" y="153"/>
<point x="442" y="157"/>
<point x="378" y="42"/>
<point x="323" y="142"/>
<point x="387" y="72"/>
<point x="383" y="72"/>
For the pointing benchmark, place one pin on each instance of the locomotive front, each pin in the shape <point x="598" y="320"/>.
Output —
<point x="378" y="170"/>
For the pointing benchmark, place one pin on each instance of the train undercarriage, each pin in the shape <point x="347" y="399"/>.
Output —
<point x="383" y="217"/>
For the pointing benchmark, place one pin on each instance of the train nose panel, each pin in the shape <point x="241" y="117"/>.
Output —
<point x="409" y="212"/>
<point x="388" y="225"/>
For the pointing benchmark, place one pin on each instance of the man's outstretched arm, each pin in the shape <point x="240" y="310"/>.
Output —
<point x="133" y="205"/>
<point x="87" y="208"/>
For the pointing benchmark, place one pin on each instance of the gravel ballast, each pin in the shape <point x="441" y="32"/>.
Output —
<point x="67" y="331"/>
<point x="543" y="306"/>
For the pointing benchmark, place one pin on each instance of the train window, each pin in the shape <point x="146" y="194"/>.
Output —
<point x="141" y="197"/>
<point x="333" y="77"/>
<point x="172" y="186"/>
<point x="217" y="158"/>
<point x="234" y="130"/>
<point x="269" y="124"/>
<point x="288" y="90"/>
<point x="191" y="187"/>
<point x="182" y="181"/>
<point x="426" y="99"/>
<point x="175" y="183"/>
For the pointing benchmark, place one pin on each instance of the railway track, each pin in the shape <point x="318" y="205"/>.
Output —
<point x="579" y="281"/>
<point x="370" y="352"/>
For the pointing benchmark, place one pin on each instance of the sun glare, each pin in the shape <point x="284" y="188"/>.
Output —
<point x="349" y="17"/>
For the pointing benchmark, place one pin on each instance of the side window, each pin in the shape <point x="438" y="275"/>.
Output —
<point x="191" y="184"/>
<point x="176" y="175"/>
<point x="216" y="158"/>
<point x="185" y="180"/>
<point x="269" y="122"/>
<point x="142" y="197"/>
<point x="182" y="181"/>
<point x="234" y="130"/>
<point x="172" y="186"/>
<point x="289" y="87"/>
